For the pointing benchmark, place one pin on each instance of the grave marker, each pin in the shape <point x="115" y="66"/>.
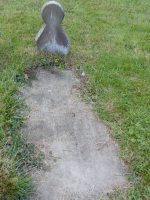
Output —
<point x="51" y="37"/>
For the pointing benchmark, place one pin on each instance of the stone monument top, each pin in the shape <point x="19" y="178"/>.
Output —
<point x="52" y="37"/>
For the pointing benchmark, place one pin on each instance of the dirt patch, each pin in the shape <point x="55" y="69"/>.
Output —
<point x="83" y="159"/>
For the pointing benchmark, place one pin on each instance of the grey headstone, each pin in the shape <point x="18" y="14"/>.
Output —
<point x="51" y="37"/>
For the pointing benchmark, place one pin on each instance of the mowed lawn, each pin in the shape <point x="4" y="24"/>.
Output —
<point x="110" y="42"/>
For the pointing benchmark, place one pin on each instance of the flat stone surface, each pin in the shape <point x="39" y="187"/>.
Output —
<point x="83" y="159"/>
<point x="52" y="37"/>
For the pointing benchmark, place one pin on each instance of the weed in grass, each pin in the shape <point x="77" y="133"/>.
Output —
<point x="14" y="183"/>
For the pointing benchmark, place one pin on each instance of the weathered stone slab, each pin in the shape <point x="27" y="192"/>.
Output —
<point x="52" y="37"/>
<point x="83" y="159"/>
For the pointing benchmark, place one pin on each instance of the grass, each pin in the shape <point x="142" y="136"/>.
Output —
<point x="110" y="42"/>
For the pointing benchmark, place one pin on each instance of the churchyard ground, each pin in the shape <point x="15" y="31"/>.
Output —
<point x="110" y="42"/>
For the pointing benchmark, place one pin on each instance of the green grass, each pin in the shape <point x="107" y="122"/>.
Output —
<point x="110" y="41"/>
